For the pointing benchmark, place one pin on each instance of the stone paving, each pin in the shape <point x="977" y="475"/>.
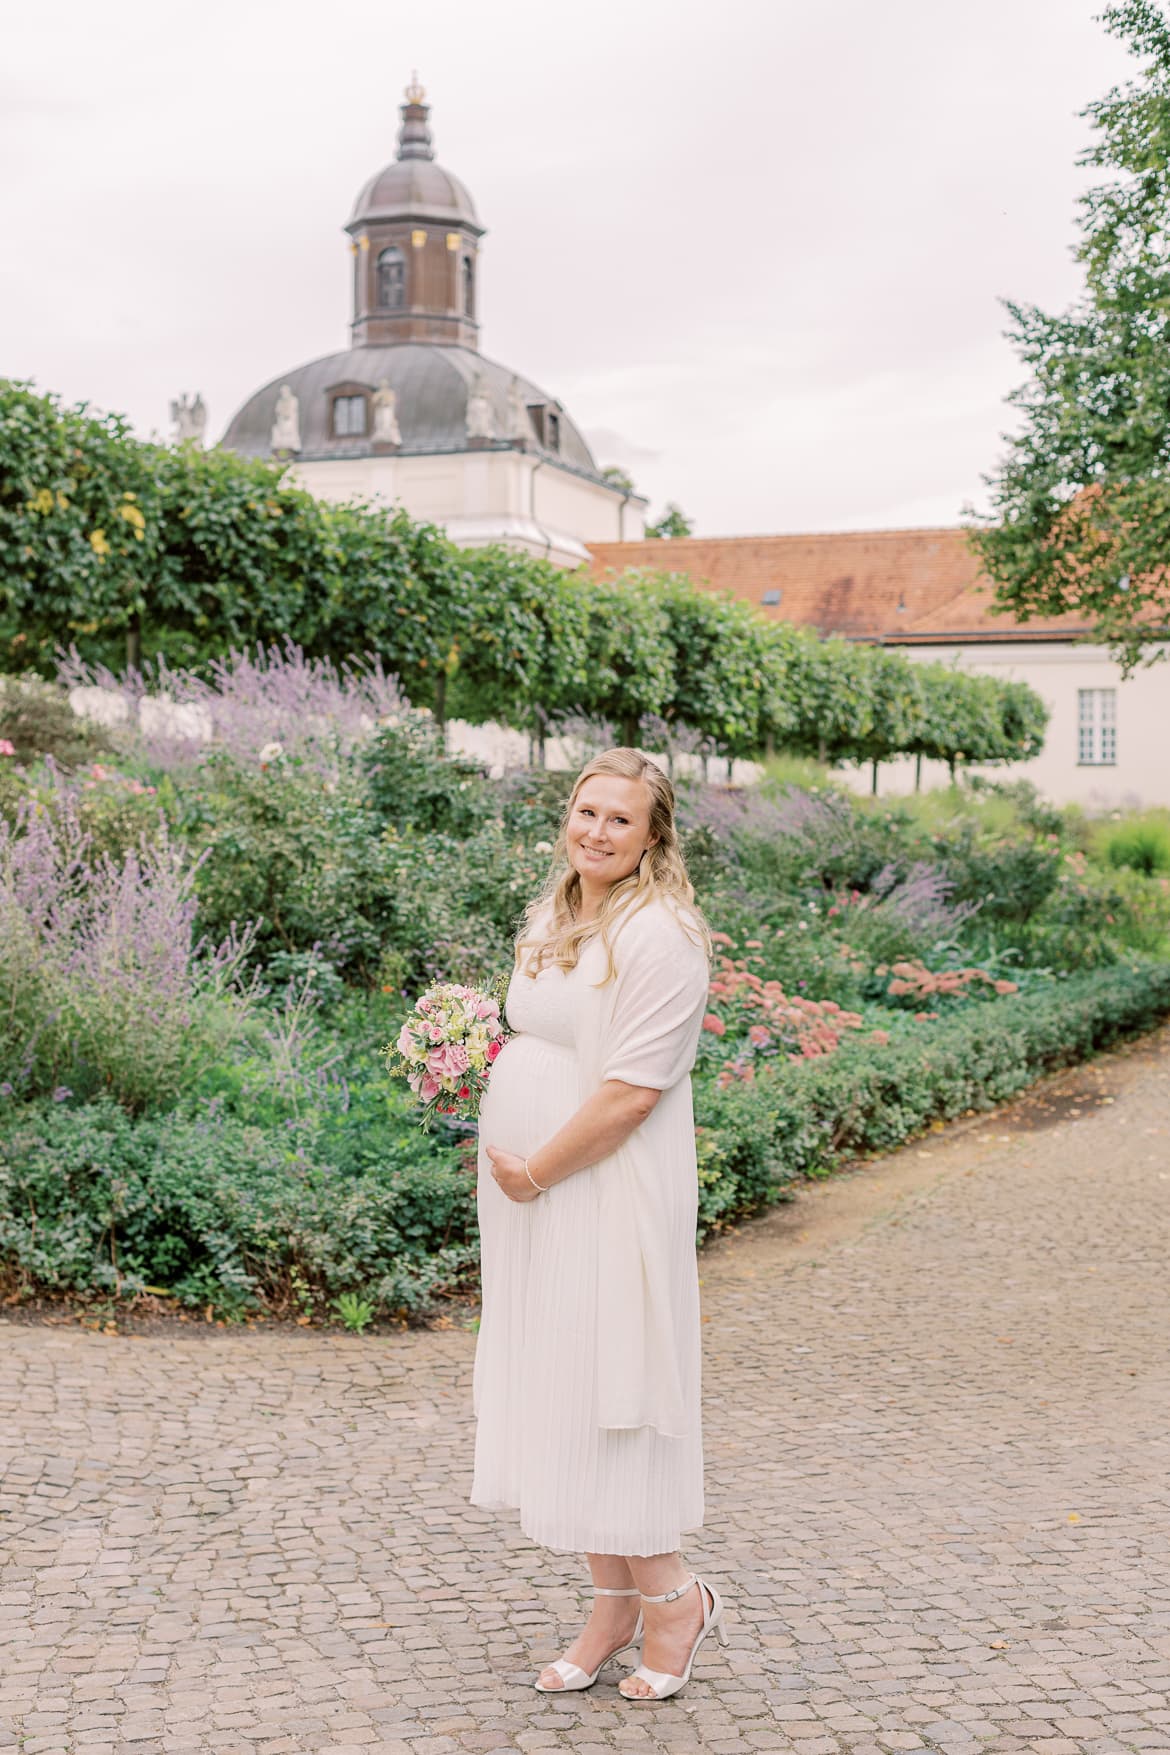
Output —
<point x="938" y="1440"/>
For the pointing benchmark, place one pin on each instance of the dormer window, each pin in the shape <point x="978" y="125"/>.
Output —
<point x="546" y="424"/>
<point x="391" y="280"/>
<point x="349" y="417"/>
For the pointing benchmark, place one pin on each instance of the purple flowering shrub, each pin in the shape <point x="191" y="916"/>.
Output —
<point x="104" y="986"/>
<point x="274" y="702"/>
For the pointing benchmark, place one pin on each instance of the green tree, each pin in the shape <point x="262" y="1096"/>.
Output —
<point x="719" y="660"/>
<point x="673" y="522"/>
<point x="619" y="478"/>
<point x="523" y="648"/>
<point x="1081" y="501"/>
<point x="78" y="522"/>
<point x="397" y="589"/>
<point x="631" y="654"/>
<point x="830" y="684"/>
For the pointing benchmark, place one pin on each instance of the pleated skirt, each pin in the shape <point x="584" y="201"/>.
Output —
<point x="539" y="1449"/>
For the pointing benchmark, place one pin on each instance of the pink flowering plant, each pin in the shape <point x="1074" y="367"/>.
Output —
<point x="446" y="1049"/>
<point x="751" y="1021"/>
<point x="911" y="986"/>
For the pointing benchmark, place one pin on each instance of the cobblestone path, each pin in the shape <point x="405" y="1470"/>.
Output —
<point x="938" y="1437"/>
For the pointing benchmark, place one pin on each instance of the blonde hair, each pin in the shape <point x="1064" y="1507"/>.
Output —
<point x="660" y="874"/>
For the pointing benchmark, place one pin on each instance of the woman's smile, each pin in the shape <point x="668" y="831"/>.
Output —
<point x="619" y="808"/>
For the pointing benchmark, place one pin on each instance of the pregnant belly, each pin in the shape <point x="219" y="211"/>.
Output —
<point x="531" y="1093"/>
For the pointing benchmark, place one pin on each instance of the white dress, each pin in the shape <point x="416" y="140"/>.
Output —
<point x="587" y="1366"/>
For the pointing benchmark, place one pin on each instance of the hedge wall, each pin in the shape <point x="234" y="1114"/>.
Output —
<point x="128" y="551"/>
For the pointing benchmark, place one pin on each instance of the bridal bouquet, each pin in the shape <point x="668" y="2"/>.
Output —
<point x="446" y="1047"/>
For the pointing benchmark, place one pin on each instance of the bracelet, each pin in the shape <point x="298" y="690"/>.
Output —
<point x="543" y="1187"/>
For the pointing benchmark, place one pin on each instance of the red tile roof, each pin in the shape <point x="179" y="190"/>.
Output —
<point x="913" y="587"/>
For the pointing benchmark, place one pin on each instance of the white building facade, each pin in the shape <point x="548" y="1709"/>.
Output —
<point x="1107" y="746"/>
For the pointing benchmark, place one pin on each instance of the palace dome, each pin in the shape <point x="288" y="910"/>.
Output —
<point x="414" y="240"/>
<point x="432" y="384"/>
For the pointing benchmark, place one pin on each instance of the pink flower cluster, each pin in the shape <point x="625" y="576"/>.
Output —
<point x="913" y="982"/>
<point x="753" y="1019"/>
<point x="99" y="775"/>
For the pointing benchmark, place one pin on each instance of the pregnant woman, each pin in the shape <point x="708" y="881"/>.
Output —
<point x="586" y="1383"/>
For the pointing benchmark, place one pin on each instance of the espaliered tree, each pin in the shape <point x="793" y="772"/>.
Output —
<point x="126" y="550"/>
<point x="522" y="650"/>
<point x="631" y="654"/>
<point x="718" y="662"/>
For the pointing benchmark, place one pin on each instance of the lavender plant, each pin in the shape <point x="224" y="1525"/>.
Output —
<point x="274" y="701"/>
<point x="919" y="899"/>
<point x="103" y="985"/>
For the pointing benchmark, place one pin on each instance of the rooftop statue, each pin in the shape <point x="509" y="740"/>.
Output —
<point x="286" y="427"/>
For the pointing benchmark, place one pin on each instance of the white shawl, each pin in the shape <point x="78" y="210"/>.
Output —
<point x="643" y="1028"/>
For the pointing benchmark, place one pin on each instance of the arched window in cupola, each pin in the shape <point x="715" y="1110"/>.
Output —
<point x="391" y="279"/>
<point x="468" y="287"/>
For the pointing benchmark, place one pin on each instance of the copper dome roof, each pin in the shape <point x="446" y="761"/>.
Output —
<point x="433" y="384"/>
<point x="414" y="186"/>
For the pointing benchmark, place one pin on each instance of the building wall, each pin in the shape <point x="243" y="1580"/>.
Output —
<point x="1058" y="672"/>
<point x="487" y="496"/>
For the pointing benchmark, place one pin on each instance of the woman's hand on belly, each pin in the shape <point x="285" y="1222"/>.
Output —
<point x="509" y="1173"/>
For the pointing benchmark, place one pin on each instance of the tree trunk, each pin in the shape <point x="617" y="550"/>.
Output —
<point x="630" y="732"/>
<point x="134" y="642"/>
<point x="951" y="766"/>
<point x="873" y="784"/>
<point x="822" y="753"/>
<point x="918" y="772"/>
<point x="769" y="742"/>
<point x="441" y="704"/>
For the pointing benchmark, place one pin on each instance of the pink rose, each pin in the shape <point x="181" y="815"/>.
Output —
<point x="447" y="1061"/>
<point x="405" y="1040"/>
<point x="486" y="1009"/>
<point x="429" y="1089"/>
<point x="493" y="1049"/>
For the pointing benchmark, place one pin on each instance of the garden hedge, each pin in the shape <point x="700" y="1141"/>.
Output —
<point x="128" y="551"/>
<point x="810" y="1116"/>
<point x="232" y="1216"/>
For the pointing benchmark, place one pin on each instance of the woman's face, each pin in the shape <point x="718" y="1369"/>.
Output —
<point x="608" y="830"/>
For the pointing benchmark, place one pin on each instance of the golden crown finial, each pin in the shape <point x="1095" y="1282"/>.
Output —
<point x="414" y="91"/>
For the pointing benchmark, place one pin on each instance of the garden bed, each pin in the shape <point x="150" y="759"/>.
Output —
<point x="202" y="955"/>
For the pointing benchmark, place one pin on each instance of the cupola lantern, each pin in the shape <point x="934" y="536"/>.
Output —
<point x="415" y="242"/>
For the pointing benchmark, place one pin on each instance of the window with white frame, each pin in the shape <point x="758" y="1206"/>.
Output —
<point x="1097" y="728"/>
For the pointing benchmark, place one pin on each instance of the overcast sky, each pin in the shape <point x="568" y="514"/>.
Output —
<point x="755" y="246"/>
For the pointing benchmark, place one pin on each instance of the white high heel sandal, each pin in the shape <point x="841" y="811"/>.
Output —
<point x="661" y="1681"/>
<point x="572" y="1676"/>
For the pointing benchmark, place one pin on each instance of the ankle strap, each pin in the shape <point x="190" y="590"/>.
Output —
<point x="600" y="1590"/>
<point x="671" y="1595"/>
